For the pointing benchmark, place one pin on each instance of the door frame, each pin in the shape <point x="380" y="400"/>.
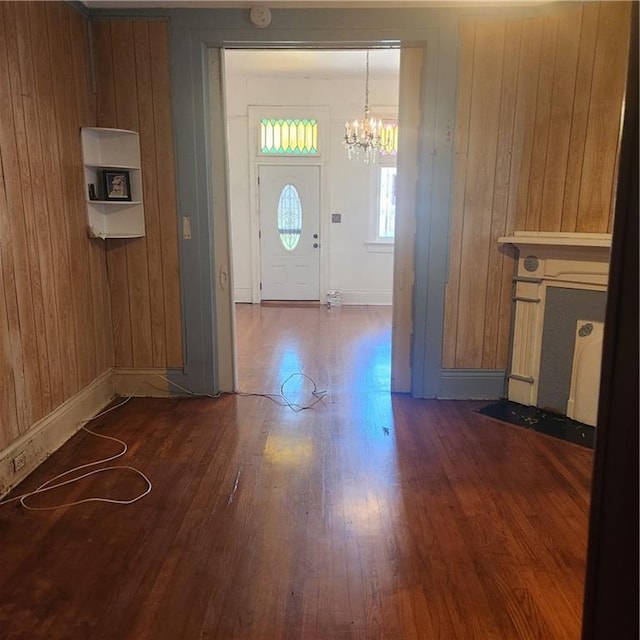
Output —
<point x="256" y="159"/>
<point x="206" y="305"/>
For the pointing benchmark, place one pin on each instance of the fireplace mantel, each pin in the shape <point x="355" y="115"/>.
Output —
<point x="557" y="239"/>
<point x="573" y="259"/>
<point x="548" y="259"/>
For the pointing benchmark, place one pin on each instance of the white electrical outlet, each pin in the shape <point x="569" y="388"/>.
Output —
<point x="19" y="461"/>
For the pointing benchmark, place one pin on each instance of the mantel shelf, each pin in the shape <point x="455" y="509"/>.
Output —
<point x="105" y="236"/>
<point x="557" y="239"/>
<point x="128" y="167"/>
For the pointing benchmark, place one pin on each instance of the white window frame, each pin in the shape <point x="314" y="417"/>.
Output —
<point x="375" y="243"/>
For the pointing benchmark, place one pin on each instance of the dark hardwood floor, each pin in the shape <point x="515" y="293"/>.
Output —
<point x="367" y="517"/>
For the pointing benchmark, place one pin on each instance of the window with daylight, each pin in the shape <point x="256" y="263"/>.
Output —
<point x="389" y="138"/>
<point x="289" y="217"/>
<point x="285" y="137"/>
<point x="387" y="203"/>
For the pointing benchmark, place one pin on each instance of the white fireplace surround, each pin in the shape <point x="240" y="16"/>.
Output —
<point x="569" y="260"/>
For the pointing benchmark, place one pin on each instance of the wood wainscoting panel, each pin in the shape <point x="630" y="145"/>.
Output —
<point x="166" y="188"/>
<point x="55" y="335"/>
<point x="148" y="157"/>
<point x="463" y="108"/>
<point x="560" y="117"/>
<point x="16" y="257"/>
<point x="541" y="121"/>
<point x="537" y="127"/>
<point x="479" y="186"/>
<point x="580" y="115"/>
<point x="132" y="68"/>
<point x="128" y="99"/>
<point x="598" y="180"/>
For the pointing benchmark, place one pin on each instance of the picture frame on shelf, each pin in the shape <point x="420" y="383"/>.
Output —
<point x="116" y="185"/>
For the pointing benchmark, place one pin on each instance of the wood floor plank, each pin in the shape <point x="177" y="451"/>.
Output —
<point x="371" y="516"/>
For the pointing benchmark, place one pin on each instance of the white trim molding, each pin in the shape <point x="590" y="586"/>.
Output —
<point x="380" y="246"/>
<point x="569" y="260"/>
<point x="47" y="435"/>
<point x="370" y="297"/>
<point x="52" y="431"/>
<point x="557" y="239"/>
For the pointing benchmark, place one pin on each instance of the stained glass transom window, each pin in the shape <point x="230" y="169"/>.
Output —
<point x="289" y="136"/>
<point x="289" y="217"/>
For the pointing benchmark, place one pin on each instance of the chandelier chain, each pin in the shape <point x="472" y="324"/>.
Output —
<point x="366" y="85"/>
<point x="366" y="138"/>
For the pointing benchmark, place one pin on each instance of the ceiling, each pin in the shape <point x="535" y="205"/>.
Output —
<point x="295" y="4"/>
<point x="311" y="63"/>
<point x="303" y="63"/>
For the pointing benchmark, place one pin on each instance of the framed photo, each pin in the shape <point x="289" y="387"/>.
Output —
<point x="116" y="185"/>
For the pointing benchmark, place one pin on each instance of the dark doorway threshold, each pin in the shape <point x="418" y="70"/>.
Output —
<point x="547" y="422"/>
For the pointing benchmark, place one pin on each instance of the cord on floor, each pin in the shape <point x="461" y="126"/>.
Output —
<point x="58" y="481"/>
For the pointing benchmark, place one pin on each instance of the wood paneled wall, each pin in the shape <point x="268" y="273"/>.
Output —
<point x="134" y="92"/>
<point x="537" y="128"/>
<point x="55" y="334"/>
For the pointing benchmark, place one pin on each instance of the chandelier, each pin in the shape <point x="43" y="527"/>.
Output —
<point x="365" y="139"/>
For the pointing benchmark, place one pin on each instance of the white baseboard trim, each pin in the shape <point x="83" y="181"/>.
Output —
<point x="242" y="294"/>
<point x="143" y="383"/>
<point x="52" y="431"/>
<point x="472" y="384"/>
<point x="366" y="296"/>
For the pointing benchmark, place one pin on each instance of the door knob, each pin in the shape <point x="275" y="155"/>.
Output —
<point x="315" y="245"/>
<point x="315" y="236"/>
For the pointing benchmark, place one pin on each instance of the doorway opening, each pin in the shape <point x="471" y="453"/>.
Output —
<point x="306" y="221"/>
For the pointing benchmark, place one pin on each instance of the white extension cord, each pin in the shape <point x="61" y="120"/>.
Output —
<point x="51" y="484"/>
<point x="57" y="481"/>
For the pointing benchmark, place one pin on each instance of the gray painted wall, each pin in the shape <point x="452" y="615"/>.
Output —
<point x="563" y="308"/>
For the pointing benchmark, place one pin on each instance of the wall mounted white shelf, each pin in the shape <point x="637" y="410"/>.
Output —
<point x="112" y="150"/>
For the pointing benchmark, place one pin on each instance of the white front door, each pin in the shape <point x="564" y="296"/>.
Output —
<point x="289" y="232"/>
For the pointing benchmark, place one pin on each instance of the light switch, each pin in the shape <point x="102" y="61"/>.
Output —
<point x="186" y="228"/>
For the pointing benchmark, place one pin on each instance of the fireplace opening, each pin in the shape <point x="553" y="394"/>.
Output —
<point x="567" y="314"/>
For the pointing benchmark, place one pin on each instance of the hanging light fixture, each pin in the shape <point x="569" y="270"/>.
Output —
<point x="363" y="138"/>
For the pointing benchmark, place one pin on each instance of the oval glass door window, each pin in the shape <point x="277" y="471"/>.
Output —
<point x="289" y="217"/>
